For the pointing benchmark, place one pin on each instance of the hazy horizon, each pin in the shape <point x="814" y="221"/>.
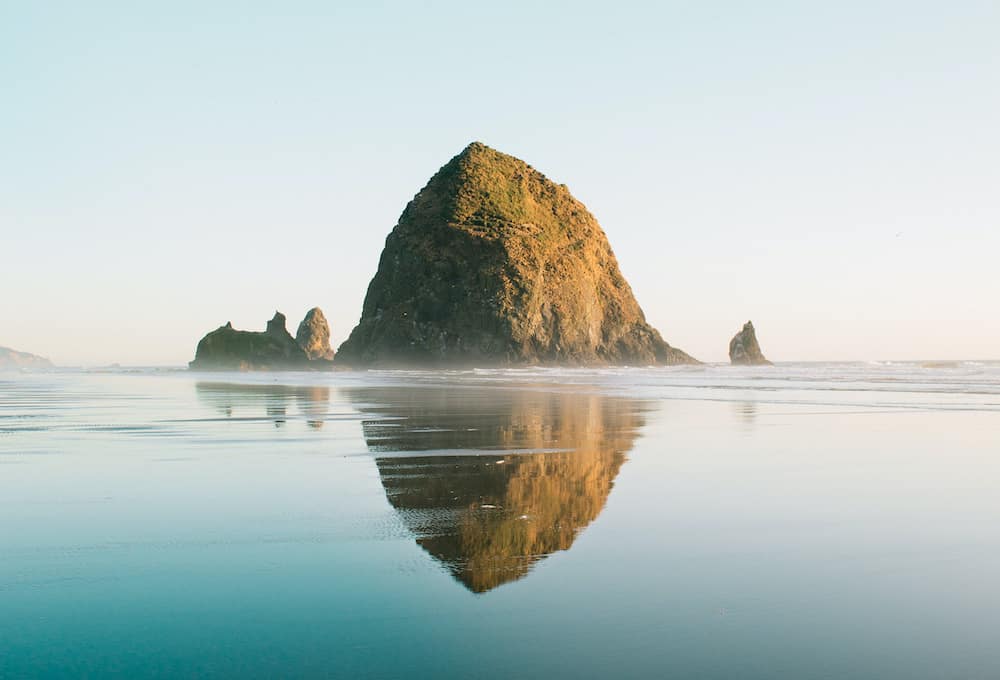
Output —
<point x="828" y="172"/>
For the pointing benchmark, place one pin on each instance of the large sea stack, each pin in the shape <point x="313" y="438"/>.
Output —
<point x="744" y="350"/>
<point x="229" y="349"/>
<point x="494" y="264"/>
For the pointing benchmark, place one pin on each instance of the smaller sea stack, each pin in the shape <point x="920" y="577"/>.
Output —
<point x="313" y="335"/>
<point x="744" y="350"/>
<point x="228" y="349"/>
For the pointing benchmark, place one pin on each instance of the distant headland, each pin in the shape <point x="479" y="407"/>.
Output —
<point x="12" y="360"/>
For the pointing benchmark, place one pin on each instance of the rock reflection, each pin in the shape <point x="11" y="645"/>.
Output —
<point x="249" y="400"/>
<point x="489" y="517"/>
<point x="746" y="412"/>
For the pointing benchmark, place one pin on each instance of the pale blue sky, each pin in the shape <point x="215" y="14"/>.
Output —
<point x="830" y="170"/>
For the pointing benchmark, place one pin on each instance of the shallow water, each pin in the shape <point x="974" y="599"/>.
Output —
<point x="802" y="521"/>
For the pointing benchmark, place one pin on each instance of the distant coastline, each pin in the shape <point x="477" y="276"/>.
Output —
<point x="13" y="360"/>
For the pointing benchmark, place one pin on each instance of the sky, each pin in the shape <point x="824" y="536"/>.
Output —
<point x="829" y="170"/>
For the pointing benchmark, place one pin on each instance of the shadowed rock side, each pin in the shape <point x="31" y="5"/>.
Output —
<point x="488" y="518"/>
<point x="313" y="335"/>
<point x="492" y="263"/>
<point x="229" y="349"/>
<point x="744" y="349"/>
<point x="12" y="360"/>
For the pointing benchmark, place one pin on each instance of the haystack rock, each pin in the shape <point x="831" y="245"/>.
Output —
<point x="494" y="264"/>
<point x="744" y="349"/>
<point x="313" y="335"/>
<point x="229" y="349"/>
<point x="12" y="360"/>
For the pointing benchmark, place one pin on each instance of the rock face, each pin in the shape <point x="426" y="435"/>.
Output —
<point x="492" y="263"/>
<point x="313" y="335"/>
<point x="12" y="360"/>
<point x="744" y="349"/>
<point x="229" y="349"/>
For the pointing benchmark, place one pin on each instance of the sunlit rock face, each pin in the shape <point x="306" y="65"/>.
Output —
<point x="492" y="263"/>
<point x="508" y="476"/>
<point x="313" y="335"/>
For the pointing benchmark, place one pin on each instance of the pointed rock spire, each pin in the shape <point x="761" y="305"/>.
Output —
<point x="744" y="349"/>
<point x="313" y="335"/>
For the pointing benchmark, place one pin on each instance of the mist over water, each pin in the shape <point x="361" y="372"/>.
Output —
<point x="801" y="521"/>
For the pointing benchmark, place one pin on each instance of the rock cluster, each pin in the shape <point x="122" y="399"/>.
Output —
<point x="744" y="349"/>
<point x="226" y="348"/>
<point x="494" y="264"/>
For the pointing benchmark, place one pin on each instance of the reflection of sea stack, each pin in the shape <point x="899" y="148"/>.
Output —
<point x="492" y="263"/>
<point x="248" y="401"/>
<point x="490" y="518"/>
<point x="744" y="349"/>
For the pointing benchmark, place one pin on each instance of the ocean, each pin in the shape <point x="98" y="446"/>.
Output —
<point x="814" y="520"/>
